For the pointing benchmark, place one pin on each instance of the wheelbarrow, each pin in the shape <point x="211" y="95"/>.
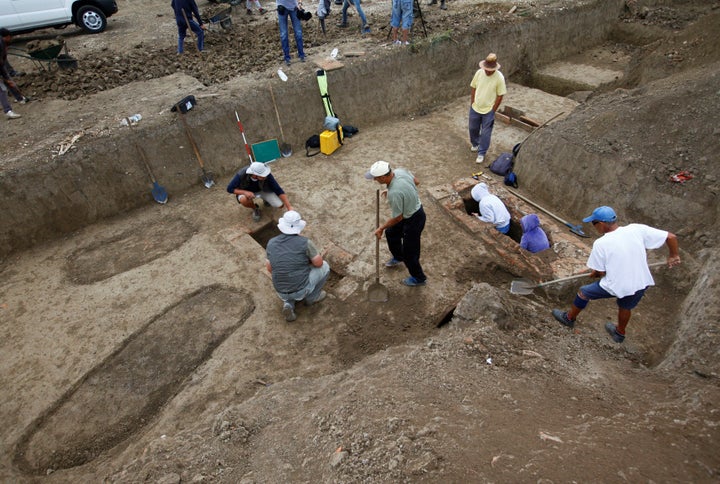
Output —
<point x="220" y="16"/>
<point x="46" y="55"/>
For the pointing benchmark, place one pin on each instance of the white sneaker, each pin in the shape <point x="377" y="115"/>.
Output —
<point x="289" y="312"/>
<point x="480" y="158"/>
<point x="12" y="115"/>
<point x="474" y="148"/>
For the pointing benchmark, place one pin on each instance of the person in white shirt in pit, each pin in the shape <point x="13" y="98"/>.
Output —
<point x="619" y="258"/>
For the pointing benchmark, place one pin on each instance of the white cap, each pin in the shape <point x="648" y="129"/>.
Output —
<point x="258" y="169"/>
<point x="379" y="168"/>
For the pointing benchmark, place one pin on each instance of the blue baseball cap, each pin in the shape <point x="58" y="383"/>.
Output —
<point x="601" y="214"/>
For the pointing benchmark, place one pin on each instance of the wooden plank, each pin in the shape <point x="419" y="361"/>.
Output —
<point x="329" y="64"/>
<point x="514" y="122"/>
<point x="529" y="121"/>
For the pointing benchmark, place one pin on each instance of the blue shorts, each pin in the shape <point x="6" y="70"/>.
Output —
<point x="402" y="14"/>
<point x="594" y="291"/>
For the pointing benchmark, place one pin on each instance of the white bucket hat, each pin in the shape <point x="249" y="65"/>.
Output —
<point x="291" y="223"/>
<point x="258" y="169"/>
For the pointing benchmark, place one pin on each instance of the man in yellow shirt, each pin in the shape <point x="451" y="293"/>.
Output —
<point x="488" y="89"/>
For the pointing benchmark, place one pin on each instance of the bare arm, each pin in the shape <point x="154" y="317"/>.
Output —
<point x="389" y="223"/>
<point x="498" y="100"/>
<point x="268" y="266"/>
<point x="286" y="202"/>
<point x="674" y="254"/>
<point x="472" y="96"/>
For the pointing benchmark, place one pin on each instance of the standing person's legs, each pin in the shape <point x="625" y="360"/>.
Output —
<point x="283" y="23"/>
<point x="625" y="307"/>
<point x="200" y="33"/>
<point x="297" y="31"/>
<point x="4" y="100"/>
<point x="474" y="123"/>
<point x="395" y="20"/>
<point x="182" y="32"/>
<point x="343" y="22"/>
<point x="623" y="319"/>
<point x="407" y="18"/>
<point x="394" y="237"/>
<point x="12" y="87"/>
<point x="360" y="12"/>
<point x="412" y="232"/>
<point x="584" y="295"/>
<point x="486" y="127"/>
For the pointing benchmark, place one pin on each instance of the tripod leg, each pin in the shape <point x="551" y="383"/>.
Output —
<point x="422" y="20"/>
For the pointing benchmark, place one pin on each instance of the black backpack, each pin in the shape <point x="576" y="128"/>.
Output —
<point x="503" y="164"/>
<point x="314" y="143"/>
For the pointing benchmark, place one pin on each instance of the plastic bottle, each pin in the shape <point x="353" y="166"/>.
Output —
<point x="134" y="119"/>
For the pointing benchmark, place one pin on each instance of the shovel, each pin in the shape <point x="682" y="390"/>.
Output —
<point x="575" y="229"/>
<point x="377" y="292"/>
<point x="285" y="149"/>
<point x="207" y="177"/>
<point x="158" y="191"/>
<point x="525" y="286"/>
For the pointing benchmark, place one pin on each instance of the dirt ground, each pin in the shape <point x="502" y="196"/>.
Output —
<point x="149" y="347"/>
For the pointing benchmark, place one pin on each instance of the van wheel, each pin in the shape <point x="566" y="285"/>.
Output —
<point x="91" y="19"/>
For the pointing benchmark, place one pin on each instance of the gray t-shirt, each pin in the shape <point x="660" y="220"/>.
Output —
<point x="289" y="257"/>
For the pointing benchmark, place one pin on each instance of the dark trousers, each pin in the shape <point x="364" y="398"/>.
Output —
<point x="403" y="240"/>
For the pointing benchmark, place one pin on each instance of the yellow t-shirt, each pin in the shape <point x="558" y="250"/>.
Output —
<point x="487" y="89"/>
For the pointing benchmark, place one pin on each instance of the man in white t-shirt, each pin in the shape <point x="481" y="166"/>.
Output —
<point x="619" y="258"/>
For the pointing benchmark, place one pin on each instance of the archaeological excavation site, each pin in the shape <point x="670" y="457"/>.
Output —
<point x="143" y="340"/>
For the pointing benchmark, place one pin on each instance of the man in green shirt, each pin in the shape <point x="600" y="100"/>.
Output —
<point x="404" y="229"/>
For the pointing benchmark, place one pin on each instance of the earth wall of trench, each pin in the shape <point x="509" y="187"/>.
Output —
<point x="104" y="176"/>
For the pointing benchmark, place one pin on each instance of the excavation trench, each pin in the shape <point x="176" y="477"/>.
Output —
<point x="88" y="190"/>
<point x="103" y="176"/>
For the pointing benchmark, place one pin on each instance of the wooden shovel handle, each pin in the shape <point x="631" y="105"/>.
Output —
<point x="191" y="139"/>
<point x="377" y="240"/>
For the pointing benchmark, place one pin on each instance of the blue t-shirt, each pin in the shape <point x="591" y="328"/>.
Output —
<point x="243" y="181"/>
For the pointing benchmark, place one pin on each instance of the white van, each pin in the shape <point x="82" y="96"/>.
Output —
<point x="20" y="16"/>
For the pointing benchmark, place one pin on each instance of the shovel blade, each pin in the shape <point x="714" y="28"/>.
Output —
<point x="522" y="287"/>
<point x="285" y="150"/>
<point x="208" y="180"/>
<point x="159" y="193"/>
<point x="377" y="293"/>
<point x="577" y="230"/>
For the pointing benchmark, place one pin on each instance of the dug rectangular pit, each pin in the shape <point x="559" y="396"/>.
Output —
<point x="126" y="391"/>
<point x="567" y="254"/>
<point x="136" y="246"/>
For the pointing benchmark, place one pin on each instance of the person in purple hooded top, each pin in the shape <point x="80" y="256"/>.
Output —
<point x="534" y="238"/>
